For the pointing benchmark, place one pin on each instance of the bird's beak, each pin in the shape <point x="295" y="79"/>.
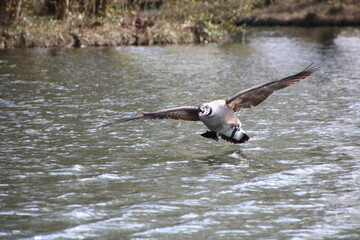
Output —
<point x="200" y="111"/>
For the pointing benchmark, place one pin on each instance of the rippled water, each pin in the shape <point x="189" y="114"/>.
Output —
<point x="64" y="177"/>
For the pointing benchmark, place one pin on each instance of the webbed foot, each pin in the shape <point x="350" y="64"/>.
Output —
<point x="212" y="135"/>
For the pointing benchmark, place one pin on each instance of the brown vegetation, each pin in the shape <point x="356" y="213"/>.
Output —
<point x="81" y="23"/>
<point x="304" y="13"/>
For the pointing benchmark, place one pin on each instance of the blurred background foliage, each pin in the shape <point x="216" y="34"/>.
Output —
<point x="77" y="23"/>
<point x="117" y="22"/>
<point x="175" y="10"/>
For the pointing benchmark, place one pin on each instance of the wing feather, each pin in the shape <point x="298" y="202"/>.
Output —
<point x="179" y="113"/>
<point x="254" y="96"/>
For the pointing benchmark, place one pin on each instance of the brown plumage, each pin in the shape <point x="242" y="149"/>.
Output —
<point x="219" y="115"/>
<point x="179" y="113"/>
<point x="254" y="96"/>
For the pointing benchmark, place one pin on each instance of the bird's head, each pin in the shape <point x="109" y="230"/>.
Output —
<point x="204" y="110"/>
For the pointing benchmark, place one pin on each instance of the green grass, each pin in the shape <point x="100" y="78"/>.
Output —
<point x="175" y="22"/>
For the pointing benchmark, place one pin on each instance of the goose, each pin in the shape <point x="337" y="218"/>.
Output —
<point x="219" y="116"/>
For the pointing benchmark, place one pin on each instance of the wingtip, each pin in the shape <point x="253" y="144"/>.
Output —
<point x="111" y="123"/>
<point x="123" y="120"/>
<point x="105" y="125"/>
<point x="313" y="67"/>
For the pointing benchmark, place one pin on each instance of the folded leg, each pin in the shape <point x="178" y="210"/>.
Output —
<point x="210" y="134"/>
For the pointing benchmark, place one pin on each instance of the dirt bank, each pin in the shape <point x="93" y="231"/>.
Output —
<point x="304" y="13"/>
<point x="185" y="21"/>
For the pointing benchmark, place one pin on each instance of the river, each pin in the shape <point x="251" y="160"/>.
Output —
<point x="63" y="176"/>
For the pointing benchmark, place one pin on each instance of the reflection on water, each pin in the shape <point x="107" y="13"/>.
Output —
<point x="62" y="176"/>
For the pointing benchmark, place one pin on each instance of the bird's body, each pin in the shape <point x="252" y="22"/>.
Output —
<point x="223" y="122"/>
<point x="219" y="116"/>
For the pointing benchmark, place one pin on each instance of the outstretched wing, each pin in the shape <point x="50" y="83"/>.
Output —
<point x="179" y="113"/>
<point x="254" y="96"/>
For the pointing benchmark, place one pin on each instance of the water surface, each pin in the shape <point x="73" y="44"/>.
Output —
<point x="64" y="177"/>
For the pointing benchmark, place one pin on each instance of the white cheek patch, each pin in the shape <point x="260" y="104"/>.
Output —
<point x="239" y="134"/>
<point x="208" y="111"/>
<point x="235" y="133"/>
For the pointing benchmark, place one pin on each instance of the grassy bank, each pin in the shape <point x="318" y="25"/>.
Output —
<point x="162" y="22"/>
<point x="171" y="22"/>
<point x="115" y="31"/>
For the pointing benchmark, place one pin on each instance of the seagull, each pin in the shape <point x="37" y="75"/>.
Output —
<point x="219" y="116"/>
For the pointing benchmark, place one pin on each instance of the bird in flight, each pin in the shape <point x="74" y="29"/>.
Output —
<point x="219" y="116"/>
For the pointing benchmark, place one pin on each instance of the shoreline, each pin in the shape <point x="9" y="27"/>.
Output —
<point x="129" y="37"/>
<point x="47" y="33"/>
<point x="307" y="13"/>
<point x="298" y="22"/>
<point x="152" y="29"/>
